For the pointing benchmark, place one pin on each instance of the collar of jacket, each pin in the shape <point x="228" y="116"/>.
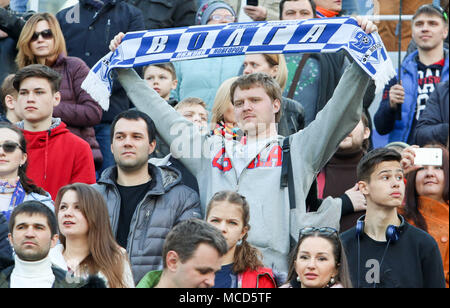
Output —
<point x="165" y="177"/>
<point x="95" y="4"/>
<point x="414" y="56"/>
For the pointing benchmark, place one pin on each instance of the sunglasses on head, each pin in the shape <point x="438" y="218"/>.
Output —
<point x="10" y="147"/>
<point x="46" y="34"/>
<point x="327" y="231"/>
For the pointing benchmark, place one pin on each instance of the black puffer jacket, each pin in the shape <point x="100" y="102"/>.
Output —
<point x="5" y="247"/>
<point x="292" y="117"/>
<point x="88" y="31"/>
<point x="11" y="23"/>
<point x="160" y="14"/>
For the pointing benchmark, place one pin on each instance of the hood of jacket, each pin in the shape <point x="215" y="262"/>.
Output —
<point x="98" y="4"/>
<point x="39" y="140"/>
<point x="166" y="177"/>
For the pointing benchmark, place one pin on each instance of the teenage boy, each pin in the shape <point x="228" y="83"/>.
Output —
<point x="56" y="157"/>
<point x="163" y="79"/>
<point x="383" y="250"/>
<point x="254" y="169"/>
<point x="191" y="257"/>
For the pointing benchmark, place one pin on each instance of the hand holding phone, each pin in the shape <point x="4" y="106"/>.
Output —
<point x="428" y="156"/>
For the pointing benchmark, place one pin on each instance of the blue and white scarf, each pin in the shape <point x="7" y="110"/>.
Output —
<point x="195" y="42"/>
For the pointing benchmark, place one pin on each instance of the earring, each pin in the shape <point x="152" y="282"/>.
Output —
<point x="298" y="279"/>
<point x="239" y="242"/>
<point x="332" y="282"/>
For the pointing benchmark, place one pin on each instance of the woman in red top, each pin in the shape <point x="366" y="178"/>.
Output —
<point x="241" y="266"/>
<point x="426" y="200"/>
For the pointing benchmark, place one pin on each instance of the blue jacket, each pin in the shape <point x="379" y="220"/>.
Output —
<point x="433" y="122"/>
<point x="385" y="117"/>
<point x="203" y="77"/>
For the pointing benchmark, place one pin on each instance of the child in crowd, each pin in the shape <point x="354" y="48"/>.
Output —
<point x="163" y="79"/>
<point x="241" y="265"/>
<point x="8" y="97"/>
<point x="193" y="109"/>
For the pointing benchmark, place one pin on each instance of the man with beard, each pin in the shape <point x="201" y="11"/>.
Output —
<point x="144" y="201"/>
<point x="338" y="177"/>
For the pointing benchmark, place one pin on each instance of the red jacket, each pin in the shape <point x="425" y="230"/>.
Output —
<point x="57" y="157"/>
<point x="262" y="278"/>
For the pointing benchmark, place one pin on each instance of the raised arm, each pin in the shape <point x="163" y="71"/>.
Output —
<point x="184" y="138"/>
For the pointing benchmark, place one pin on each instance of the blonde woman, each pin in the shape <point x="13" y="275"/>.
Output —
<point x="223" y="121"/>
<point x="274" y="65"/>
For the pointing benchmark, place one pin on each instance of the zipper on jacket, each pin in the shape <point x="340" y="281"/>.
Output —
<point x="108" y="26"/>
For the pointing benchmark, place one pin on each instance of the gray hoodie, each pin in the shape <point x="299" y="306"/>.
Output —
<point x="214" y="161"/>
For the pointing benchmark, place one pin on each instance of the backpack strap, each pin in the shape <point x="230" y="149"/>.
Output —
<point x="287" y="180"/>
<point x="296" y="78"/>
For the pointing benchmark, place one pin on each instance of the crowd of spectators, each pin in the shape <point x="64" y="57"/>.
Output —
<point x="95" y="197"/>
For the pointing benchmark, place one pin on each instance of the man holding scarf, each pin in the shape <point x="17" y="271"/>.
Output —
<point x="254" y="169"/>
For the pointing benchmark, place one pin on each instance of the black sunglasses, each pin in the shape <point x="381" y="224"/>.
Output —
<point x="46" y="34"/>
<point x="327" y="231"/>
<point x="10" y="147"/>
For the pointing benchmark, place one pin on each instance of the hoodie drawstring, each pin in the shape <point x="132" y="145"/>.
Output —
<point x="46" y="154"/>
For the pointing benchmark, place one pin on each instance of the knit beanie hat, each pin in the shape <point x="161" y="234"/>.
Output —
<point x="205" y="11"/>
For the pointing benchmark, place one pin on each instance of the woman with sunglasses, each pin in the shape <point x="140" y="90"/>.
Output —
<point x="15" y="186"/>
<point x="318" y="261"/>
<point x="42" y="42"/>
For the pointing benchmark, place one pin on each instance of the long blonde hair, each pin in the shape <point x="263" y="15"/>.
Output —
<point x="25" y="56"/>
<point x="222" y="101"/>
<point x="282" y="72"/>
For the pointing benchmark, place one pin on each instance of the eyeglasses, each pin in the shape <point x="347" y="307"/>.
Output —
<point x="10" y="147"/>
<point x="228" y="18"/>
<point x="46" y="34"/>
<point x="327" y="231"/>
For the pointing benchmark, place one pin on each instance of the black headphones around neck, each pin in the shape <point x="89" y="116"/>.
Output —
<point x="392" y="236"/>
<point x="392" y="232"/>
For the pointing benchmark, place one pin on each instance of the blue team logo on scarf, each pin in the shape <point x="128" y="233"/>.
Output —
<point x="361" y="41"/>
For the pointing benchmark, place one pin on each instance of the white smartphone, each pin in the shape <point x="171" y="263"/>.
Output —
<point x="428" y="157"/>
